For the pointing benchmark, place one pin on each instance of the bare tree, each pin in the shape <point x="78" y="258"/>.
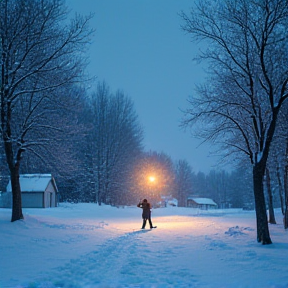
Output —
<point x="248" y="84"/>
<point x="60" y="153"/>
<point x="217" y="182"/>
<point x="116" y="143"/>
<point x="241" y="188"/>
<point x="183" y="182"/>
<point x="280" y="158"/>
<point x="200" y="187"/>
<point x="41" y="54"/>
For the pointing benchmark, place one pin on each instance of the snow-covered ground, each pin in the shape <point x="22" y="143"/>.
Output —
<point x="84" y="245"/>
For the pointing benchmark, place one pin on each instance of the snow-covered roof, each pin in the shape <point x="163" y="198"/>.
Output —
<point x="206" y="201"/>
<point x="33" y="182"/>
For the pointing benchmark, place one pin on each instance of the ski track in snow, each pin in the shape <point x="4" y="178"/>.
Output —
<point x="126" y="261"/>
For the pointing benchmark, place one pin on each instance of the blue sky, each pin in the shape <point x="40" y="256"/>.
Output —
<point x="139" y="47"/>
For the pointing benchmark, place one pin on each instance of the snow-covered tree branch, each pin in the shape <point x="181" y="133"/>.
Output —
<point x="41" y="57"/>
<point x="247" y="86"/>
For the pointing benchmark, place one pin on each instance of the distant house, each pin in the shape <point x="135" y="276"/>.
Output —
<point x="167" y="201"/>
<point x="202" y="203"/>
<point x="38" y="191"/>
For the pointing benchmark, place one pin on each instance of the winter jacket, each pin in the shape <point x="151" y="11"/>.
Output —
<point x="146" y="213"/>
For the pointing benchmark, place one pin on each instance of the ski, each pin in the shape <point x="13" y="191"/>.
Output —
<point x="144" y="229"/>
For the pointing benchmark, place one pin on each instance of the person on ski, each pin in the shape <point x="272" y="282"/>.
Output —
<point x="146" y="213"/>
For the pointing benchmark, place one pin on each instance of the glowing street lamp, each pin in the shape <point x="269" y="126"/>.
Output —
<point x="151" y="179"/>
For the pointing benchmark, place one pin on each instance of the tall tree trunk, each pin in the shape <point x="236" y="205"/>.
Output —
<point x="285" y="220"/>
<point x="16" y="195"/>
<point x="280" y="189"/>
<point x="286" y="198"/>
<point x="272" y="219"/>
<point x="13" y="164"/>
<point x="263" y="235"/>
<point x="14" y="167"/>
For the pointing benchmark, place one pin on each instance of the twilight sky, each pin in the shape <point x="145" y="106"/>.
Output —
<point x="139" y="47"/>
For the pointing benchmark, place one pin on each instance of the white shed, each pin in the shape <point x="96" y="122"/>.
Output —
<point x="202" y="203"/>
<point x="38" y="190"/>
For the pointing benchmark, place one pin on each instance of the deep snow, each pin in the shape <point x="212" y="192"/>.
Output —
<point x="86" y="245"/>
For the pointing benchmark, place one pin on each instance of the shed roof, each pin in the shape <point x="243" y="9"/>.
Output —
<point x="33" y="182"/>
<point x="206" y="201"/>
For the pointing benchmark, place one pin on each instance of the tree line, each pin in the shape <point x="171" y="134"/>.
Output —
<point x="92" y="142"/>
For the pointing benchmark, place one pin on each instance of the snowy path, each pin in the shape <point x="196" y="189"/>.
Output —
<point x="177" y="254"/>
<point x="126" y="260"/>
<point x="105" y="249"/>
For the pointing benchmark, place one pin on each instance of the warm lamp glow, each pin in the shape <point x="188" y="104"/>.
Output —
<point x="151" y="178"/>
